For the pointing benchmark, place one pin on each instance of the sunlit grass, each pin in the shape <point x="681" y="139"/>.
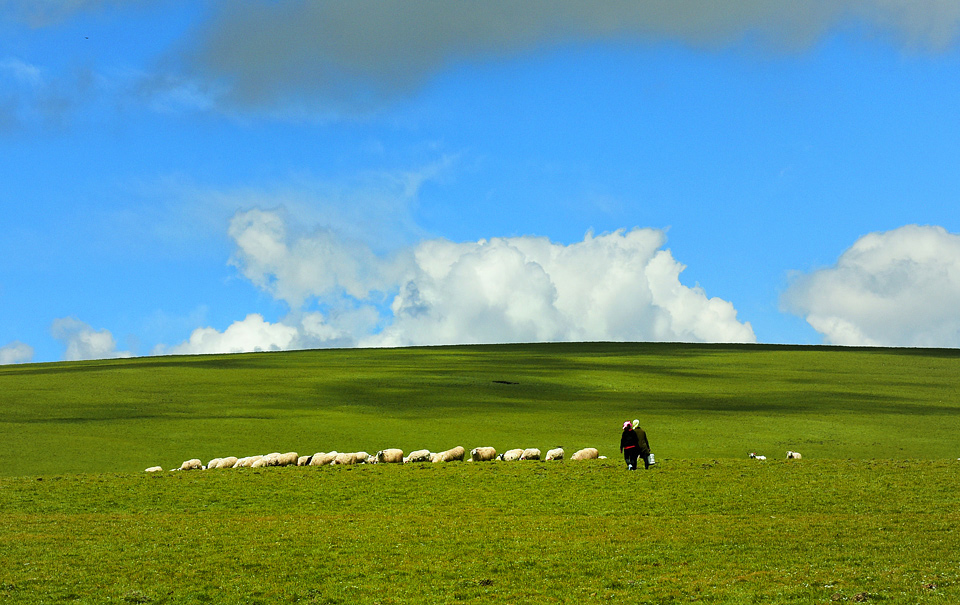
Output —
<point x="731" y="531"/>
<point x="693" y="400"/>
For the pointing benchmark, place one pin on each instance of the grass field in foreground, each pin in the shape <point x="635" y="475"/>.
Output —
<point x="695" y="401"/>
<point x="706" y="531"/>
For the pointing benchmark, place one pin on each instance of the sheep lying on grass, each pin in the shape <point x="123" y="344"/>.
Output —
<point x="587" y="453"/>
<point x="794" y="456"/>
<point x="451" y="455"/>
<point x="153" y="469"/>
<point x="756" y="457"/>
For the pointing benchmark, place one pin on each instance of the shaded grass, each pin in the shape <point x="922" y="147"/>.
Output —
<point x="704" y="530"/>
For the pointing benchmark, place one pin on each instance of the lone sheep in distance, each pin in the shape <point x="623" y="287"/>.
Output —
<point x="793" y="455"/>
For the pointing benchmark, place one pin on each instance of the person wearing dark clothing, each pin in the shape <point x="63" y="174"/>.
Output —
<point x="634" y="444"/>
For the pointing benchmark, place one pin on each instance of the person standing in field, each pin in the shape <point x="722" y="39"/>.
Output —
<point x="634" y="444"/>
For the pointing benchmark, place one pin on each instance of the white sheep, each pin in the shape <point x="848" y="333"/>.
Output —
<point x="288" y="459"/>
<point x="587" y="453"/>
<point x="213" y="463"/>
<point x="227" y="462"/>
<point x="419" y="456"/>
<point x="756" y="457"/>
<point x="351" y="458"/>
<point x="511" y="455"/>
<point x="192" y="464"/>
<point x="531" y="453"/>
<point x="451" y="455"/>
<point x="153" y="469"/>
<point x="555" y="454"/>
<point x="304" y="460"/>
<point x="389" y="456"/>
<point x="483" y="454"/>
<point x="793" y="455"/>
<point x="249" y="461"/>
<point x="323" y="459"/>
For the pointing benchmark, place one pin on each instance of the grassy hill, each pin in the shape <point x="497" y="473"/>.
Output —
<point x="869" y="515"/>
<point x="694" y="401"/>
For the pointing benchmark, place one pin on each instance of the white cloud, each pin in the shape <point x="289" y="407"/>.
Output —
<point x="894" y="288"/>
<point x="249" y="335"/>
<point x="616" y="286"/>
<point x="15" y="352"/>
<point x="83" y="342"/>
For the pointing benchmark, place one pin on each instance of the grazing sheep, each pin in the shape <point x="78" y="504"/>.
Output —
<point x="271" y="459"/>
<point x="511" y="455"/>
<point x="389" y="456"/>
<point x="323" y="459"/>
<point x="351" y="458"/>
<point x="756" y="457"/>
<point x="304" y="460"/>
<point x="419" y="456"/>
<point x="483" y="454"/>
<point x="213" y="463"/>
<point x="288" y="459"/>
<point x="531" y="453"/>
<point x="249" y="461"/>
<point x="153" y="469"/>
<point x="227" y="462"/>
<point x="450" y="455"/>
<point x="555" y="454"/>
<point x="192" y="464"/>
<point x="587" y="453"/>
<point x="794" y="456"/>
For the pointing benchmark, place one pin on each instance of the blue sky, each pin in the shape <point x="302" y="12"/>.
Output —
<point x="197" y="177"/>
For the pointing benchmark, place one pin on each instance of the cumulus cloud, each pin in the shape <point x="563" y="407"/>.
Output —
<point x="15" y="352"/>
<point x="84" y="342"/>
<point x="246" y="336"/>
<point x="269" y="52"/>
<point x="615" y="286"/>
<point x="894" y="288"/>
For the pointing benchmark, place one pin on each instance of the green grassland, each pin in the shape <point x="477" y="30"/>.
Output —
<point x="871" y="514"/>
<point x="694" y="401"/>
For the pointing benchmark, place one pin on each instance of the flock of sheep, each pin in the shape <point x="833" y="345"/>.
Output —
<point x="388" y="456"/>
